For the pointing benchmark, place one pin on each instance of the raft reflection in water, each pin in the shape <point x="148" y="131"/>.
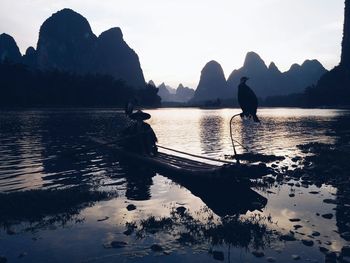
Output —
<point x="221" y="196"/>
<point x="224" y="198"/>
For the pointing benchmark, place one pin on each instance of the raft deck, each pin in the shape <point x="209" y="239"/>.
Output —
<point x="178" y="166"/>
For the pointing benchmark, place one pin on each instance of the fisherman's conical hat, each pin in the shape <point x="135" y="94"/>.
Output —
<point x="140" y="116"/>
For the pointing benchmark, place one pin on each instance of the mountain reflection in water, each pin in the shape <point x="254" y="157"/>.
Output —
<point x="62" y="197"/>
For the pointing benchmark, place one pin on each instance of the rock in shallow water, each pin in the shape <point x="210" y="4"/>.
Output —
<point x="258" y="254"/>
<point x="218" y="255"/>
<point x="345" y="260"/>
<point x="128" y="232"/>
<point x="307" y="242"/>
<point x="316" y="234"/>
<point x="181" y="210"/>
<point x="296" y="158"/>
<point x="330" y="201"/>
<point x="324" y="249"/>
<point x="345" y="251"/>
<point x="287" y="238"/>
<point x="297" y="226"/>
<point x="327" y="216"/>
<point x="331" y="257"/>
<point x="346" y="236"/>
<point x="131" y="207"/>
<point x="103" y="219"/>
<point x="10" y="232"/>
<point x="314" y="192"/>
<point x="295" y="257"/>
<point x="156" y="248"/>
<point x="118" y="244"/>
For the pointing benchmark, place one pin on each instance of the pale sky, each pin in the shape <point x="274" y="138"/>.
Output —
<point x="176" y="38"/>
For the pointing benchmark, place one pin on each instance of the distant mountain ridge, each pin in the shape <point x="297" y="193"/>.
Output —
<point x="270" y="81"/>
<point x="66" y="42"/>
<point x="168" y="94"/>
<point x="265" y="81"/>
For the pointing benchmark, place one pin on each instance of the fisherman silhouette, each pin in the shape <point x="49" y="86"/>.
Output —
<point x="140" y="137"/>
<point x="247" y="100"/>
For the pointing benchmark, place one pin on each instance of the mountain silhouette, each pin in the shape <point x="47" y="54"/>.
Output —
<point x="72" y="67"/>
<point x="265" y="81"/>
<point x="274" y="69"/>
<point x="212" y="84"/>
<point x="254" y="63"/>
<point x="333" y="87"/>
<point x="168" y="94"/>
<point x="164" y="93"/>
<point x="345" y="55"/>
<point x="9" y="49"/>
<point x="67" y="43"/>
<point x="30" y="57"/>
<point x="254" y="68"/>
<point x="114" y="57"/>
<point x="184" y="94"/>
<point x="300" y="76"/>
<point x="270" y="81"/>
<point x="151" y="82"/>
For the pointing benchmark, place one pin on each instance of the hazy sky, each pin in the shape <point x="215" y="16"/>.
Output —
<point x="176" y="38"/>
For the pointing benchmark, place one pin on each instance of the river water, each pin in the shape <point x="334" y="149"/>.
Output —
<point x="62" y="199"/>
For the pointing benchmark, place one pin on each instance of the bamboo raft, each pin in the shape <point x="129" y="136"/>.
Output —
<point x="189" y="169"/>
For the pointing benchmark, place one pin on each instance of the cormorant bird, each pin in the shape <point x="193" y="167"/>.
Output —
<point x="247" y="100"/>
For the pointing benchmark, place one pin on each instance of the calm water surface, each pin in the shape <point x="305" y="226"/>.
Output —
<point x="90" y="218"/>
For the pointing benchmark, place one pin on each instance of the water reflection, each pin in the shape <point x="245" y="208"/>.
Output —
<point x="341" y="168"/>
<point x="224" y="198"/>
<point x="330" y="165"/>
<point x="20" y="153"/>
<point x="45" y="149"/>
<point x="49" y="150"/>
<point x="139" y="182"/>
<point x="211" y="133"/>
<point x="39" y="209"/>
<point x="186" y="230"/>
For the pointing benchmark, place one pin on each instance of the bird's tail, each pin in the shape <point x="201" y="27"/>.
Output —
<point x="255" y="118"/>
